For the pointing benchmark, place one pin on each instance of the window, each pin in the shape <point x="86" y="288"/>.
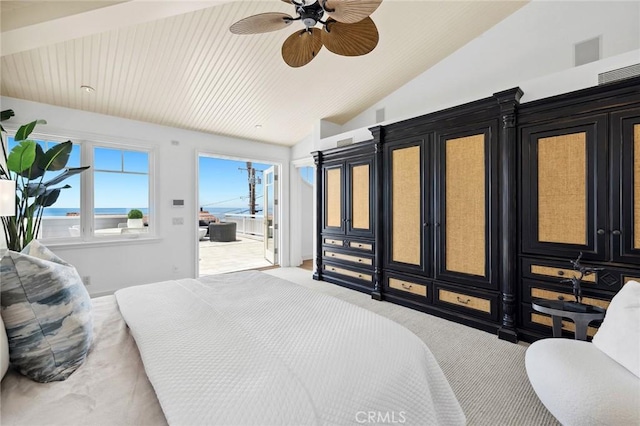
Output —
<point x="96" y="205"/>
<point x="64" y="215"/>
<point x="121" y="184"/>
<point x="308" y="174"/>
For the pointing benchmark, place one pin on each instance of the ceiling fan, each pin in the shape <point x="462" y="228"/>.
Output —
<point x="348" y="31"/>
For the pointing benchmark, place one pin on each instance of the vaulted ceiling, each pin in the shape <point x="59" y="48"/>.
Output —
<point x="177" y="64"/>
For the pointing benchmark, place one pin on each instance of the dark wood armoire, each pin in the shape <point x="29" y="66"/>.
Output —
<point x="471" y="212"/>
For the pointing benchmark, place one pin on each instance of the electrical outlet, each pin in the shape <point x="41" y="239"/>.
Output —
<point x="86" y="280"/>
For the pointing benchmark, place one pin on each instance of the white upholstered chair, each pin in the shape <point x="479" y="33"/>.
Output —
<point x="598" y="383"/>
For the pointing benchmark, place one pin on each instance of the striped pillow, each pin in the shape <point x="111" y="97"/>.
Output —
<point x="47" y="313"/>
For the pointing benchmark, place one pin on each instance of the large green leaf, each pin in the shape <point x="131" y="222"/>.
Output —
<point x="35" y="171"/>
<point x="56" y="157"/>
<point x="49" y="197"/>
<point x="34" y="189"/>
<point x="25" y="130"/>
<point x="62" y="176"/>
<point x="22" y="157"/>
<point x="6" y="114"/>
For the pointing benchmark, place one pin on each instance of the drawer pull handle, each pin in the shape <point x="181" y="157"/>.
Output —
<point x="333" y="255"/>
<point x="560" y="297"/>
<point x="359" y="245"/>
<point x="407" y="287"/>
<point x="601" y="232"/>
<point x="561" y="273"/>
<point x="359" y="260"/>
<point x="464" y="302"/>
<point x="359" y="276"/>
<point x="616" y="232"/>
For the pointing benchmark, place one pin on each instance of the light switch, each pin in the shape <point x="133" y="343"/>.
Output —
<point x="178" y="221"/>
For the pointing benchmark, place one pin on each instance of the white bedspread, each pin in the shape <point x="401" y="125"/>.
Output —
<point x="250" y="348"/>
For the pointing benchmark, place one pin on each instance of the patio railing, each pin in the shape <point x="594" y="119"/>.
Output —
<point x="248" y="224"/>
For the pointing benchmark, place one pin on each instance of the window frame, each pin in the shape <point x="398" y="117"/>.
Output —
<point x="87" y="190"/>
<point x="87" y="221"/>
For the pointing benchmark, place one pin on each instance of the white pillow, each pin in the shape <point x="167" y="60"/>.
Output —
<point x="619" y="334"/>
<point x="4" y="350"/>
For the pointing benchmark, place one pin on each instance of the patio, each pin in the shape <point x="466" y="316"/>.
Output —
<point x="246" y="252"/>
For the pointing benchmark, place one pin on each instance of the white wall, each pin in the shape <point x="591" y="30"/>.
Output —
<point x="173" y="254"/>
<point x="537" y="40"/>
<point x="307" y="228"/>
<point x="532" y="49"/>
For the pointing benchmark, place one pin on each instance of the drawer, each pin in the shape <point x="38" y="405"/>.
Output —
<point x="346" y="272"/>
<point x="360" y="260"/>
<point x="541" y="322"/>
<point x="356" y="245"/>
<point x="460" y="299"/>
<point x="541" y="293"/>
<point x="561" y="273"/>
<point x="554" y="271"/>
<point x="333" y="242"/>
<point x="408" y="286"/>
<point x="359" y="245"/>
<point x="469" y="301"/>
<point x="540" y="290"/>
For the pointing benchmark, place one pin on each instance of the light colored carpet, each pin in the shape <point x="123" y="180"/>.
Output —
<point x="487" y="374"/>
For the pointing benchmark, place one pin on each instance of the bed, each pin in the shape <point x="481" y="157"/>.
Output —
<point x="241" y="348"/>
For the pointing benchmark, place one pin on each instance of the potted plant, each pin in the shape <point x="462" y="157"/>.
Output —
<point x="135" y="219"/>
<point x="27" y="164"/>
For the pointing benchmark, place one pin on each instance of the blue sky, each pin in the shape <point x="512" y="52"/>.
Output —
<point x="112" y="190"/>
<point x="224" y="185"/>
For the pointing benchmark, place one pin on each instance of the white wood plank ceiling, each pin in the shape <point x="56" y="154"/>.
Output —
<point x="176" y="63"/>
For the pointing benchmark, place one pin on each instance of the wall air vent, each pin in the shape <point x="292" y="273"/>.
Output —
<point x="344" y="142"/>
<point x="587" y="51"/>
<point x="619" y="74"/>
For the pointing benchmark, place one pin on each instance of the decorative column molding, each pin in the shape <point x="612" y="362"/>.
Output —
<point x="317" y="159"/>
<point x="508" y="102"/>
<point x="378" y="141"/>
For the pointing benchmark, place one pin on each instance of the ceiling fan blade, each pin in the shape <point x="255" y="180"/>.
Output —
<point x="350" y="11"/>
<point x="350" y="39"/>
<point x="301" y="47"/>
<point x="261" y="23"/>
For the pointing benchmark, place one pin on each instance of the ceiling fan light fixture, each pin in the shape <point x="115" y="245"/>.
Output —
<point x="349" y="30"/>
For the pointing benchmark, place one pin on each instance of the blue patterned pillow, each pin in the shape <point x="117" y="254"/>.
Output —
<point x="47" y="313"/>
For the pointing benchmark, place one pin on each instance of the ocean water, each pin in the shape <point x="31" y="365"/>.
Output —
<point x="60" y="211"/>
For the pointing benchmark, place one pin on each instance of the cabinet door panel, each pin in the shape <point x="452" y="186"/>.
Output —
<point x="405" y="207"/>
<point x="465" y="212"/>
<point x="465" y="206"/>
<point x="360" y="199"/>
<point x="625" y="235"/>
<point x="333" y="198"/>
<point x="564" y="188"/>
